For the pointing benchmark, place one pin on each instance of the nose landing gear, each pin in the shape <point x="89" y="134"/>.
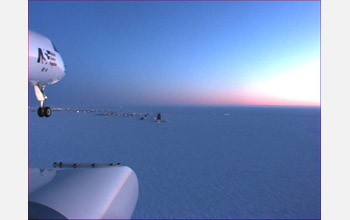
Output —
<point x="44" y="111"/>
<point x="40" y="96"/>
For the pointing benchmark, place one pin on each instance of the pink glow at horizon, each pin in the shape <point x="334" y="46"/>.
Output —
<point x="247" y="99"/>
<point x="299" y="86"/>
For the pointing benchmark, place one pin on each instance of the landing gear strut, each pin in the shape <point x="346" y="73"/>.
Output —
<point x="40" y="96"/>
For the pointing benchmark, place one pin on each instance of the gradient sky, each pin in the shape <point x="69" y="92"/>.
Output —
<point x="187" y="53"/>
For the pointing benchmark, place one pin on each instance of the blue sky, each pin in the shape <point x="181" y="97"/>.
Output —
<point x="201" y="52"/>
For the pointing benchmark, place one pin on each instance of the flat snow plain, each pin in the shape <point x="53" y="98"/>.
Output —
<point x="203" y="162"/>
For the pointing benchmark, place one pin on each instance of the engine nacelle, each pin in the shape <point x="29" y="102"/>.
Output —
<point x="82" y="192"/>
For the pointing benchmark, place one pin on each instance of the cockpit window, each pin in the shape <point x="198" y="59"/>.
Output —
<point x="54" y="48"/>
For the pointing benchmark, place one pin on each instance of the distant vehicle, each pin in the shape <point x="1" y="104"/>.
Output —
<point x="159" y="117"/>
<point x="82" y="191"/>
<point x="45" y="67"/>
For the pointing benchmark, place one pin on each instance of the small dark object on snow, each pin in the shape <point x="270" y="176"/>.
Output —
<point x="144" y="117"/>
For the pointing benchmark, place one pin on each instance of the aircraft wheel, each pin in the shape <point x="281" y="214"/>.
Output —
<point x="47" y="111"/>
<point x="41" y="112"/>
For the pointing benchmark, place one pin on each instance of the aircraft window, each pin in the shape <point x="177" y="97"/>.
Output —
<point x="54" y="48"/>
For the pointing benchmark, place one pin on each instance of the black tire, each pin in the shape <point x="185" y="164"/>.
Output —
<point x="47" y="111"/>
<point x="41" y="112"/>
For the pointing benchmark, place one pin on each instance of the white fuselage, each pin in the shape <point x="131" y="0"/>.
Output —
<point x="45" y="63"/>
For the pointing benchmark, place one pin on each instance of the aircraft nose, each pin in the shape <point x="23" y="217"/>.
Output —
<point x="61" y="65"/>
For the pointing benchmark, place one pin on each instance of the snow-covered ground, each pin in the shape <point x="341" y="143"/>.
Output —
<point x="203" y="162"/>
